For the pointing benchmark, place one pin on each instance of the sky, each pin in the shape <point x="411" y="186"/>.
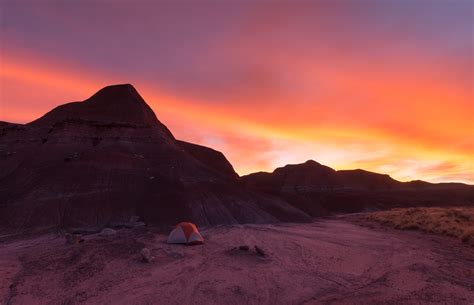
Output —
<point x="385" y="86"/>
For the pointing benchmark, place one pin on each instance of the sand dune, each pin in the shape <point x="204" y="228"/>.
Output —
<point x="325" y="262"/>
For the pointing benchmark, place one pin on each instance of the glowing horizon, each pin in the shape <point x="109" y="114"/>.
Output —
<point x="265" y="95"/>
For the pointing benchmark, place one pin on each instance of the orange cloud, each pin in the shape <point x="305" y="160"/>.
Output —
<point x="412" y="132"/>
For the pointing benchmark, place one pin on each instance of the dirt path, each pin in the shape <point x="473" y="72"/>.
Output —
<point x="326" y="262"/>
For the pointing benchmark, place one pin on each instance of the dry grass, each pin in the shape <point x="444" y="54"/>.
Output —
<point x="455" y="222"/>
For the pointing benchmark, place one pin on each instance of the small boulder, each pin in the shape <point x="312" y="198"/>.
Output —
<point x="107" y="232"/>
<point x="72" y="239"/>
<point x="132" y="223"/>
<point x="244" y="248"/>
<point x="260" y="251"/>
<point x="134" y="219"/>
<point x="146" y="255"/>
<point x="139" y="224"/>
<point x="175" y="254"/>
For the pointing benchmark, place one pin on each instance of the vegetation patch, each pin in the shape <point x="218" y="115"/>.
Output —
<point x="456" y="222"/>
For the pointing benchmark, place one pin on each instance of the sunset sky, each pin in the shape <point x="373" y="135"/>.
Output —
<point x="385" y="86"/>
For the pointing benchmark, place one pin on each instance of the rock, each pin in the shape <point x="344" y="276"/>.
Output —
<point x="135" y="223"/>
<point x="175" y="254"/>
<point x="244" y="248"/>
<point x="72" y="239"/>
<point x="134" y="219"/>
<point x="146" y="255"/>
<point x="138" y="224"/>
<point x="260" y="251"/>
<point x="107" y="232"/>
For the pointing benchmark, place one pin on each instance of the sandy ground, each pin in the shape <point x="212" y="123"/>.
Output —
<point x="326" y="262"/>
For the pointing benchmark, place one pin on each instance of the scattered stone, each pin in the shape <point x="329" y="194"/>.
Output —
<point x="72" y="239"/>
<point x="175" y="254"/>
<point x="260" y="251"/>
<point x="134" y="218"/>
<point x="146" y="255"/>
<point x="130" y="224"/>
<point x="244" y="248"/>
<point x="134" y="223"/>
<point x="107" y="232"/>
<point x="139" y="224"/>
<point x="85" y="231"/>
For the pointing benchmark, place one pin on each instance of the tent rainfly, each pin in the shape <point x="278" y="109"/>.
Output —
<point x="185" y="233"/>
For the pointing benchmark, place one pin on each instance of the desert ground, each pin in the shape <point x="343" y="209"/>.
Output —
<point x="329" y="261"/>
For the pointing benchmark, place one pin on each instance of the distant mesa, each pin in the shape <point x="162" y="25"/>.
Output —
<point x="101" y="161"/>
<point x="320" y="190"/>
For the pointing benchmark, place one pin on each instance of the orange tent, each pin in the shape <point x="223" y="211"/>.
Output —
<point x="185" y="233"/>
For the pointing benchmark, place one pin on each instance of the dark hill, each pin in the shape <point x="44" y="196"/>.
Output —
<point x="100" y="161"/>
<point x="320" y="190"/>
<point x="120" y="104"/>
